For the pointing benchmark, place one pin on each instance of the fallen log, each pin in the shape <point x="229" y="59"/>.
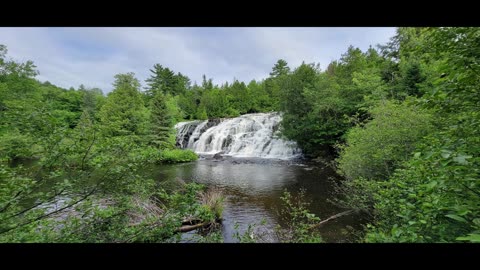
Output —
<point x="191" y="221"/>
<point x="187" y="228"/>
<point x="331" y="218"/>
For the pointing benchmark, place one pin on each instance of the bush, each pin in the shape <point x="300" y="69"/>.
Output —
<point x="374" y="150"/>
<point x="300" y="222"/>
<point x="153" y="155"/>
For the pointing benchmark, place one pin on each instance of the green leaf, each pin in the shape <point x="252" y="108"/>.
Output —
<point x="457" y="218"/>
<point x="431" y="185"/>
<point x="461" y="159"/>
<point x="475" y="238"/>
<point x="446" y="153"/>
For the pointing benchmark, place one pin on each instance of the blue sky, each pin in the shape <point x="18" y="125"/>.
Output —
<point x="70" y="56"/>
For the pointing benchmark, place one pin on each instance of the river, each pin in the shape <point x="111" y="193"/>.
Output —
<point x="253" y="187"/>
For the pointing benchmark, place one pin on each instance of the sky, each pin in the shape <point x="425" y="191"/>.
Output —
<point x="70" y="56"/>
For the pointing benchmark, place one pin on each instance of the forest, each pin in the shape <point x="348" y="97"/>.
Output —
<point x="398" y="122"/>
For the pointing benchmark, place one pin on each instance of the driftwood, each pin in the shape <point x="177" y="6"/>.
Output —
<point x="191" y="221"/>
<point x="331" y="218"/>
<point x="187" y="228"/>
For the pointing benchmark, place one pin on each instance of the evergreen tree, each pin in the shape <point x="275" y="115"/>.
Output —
<point x="160" y="121"/>
<point x="124" y="111"/>
<point x="166" y="81"/>
<point x="207" y="84"/>
<point x="280" y="68"/>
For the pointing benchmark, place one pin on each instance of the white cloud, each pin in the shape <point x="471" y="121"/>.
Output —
<point x="92" y="56"/>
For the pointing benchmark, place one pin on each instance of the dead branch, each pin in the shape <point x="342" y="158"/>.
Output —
<point x="187" y="228"/>
<point x="331" y="218"/>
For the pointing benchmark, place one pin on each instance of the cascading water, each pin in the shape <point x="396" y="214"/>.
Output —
<point x="250" y="135"/>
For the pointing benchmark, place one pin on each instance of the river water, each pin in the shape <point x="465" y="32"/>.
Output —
<point x="253" y="187"/>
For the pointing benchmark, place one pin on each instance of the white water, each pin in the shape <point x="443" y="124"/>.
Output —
<point x="250" y="135"/>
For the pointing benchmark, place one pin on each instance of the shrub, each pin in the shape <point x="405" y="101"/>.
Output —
<point x="374" y="150"/>
<point x="177" y="155"/>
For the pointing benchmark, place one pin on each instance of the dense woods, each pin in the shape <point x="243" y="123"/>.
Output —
<point x="400" y="120"/>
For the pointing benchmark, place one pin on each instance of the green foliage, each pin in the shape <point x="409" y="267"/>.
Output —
<point x="201" y="113"/>
<point x="260" y="100"/>
<point x="374" y="150"/>
<point x="317" y="105"/>
<point x="154" y="155"/>
<point x="250" y="235"/>
<point x="16" y="145"/>
<point x="300" y="223"/>
<point x="165" y="81"/>
<point x="231" y="100"/>
<point x="93" y="100"/>
<point x="173" y="108"/>
<point x="240" y="98"/>
<point x="295" y="105"/>
<point x="86" y="184"/>
<point x="188" y="103"/>
<point x="435" y="196"/>
<point x="161" y="122"/>
<point x="124" y="112"/>
<point x="280" y="68"/>
<point x="215" y="103"/>
<point x="177" y="155"/>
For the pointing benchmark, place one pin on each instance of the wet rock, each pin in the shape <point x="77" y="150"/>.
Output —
<point x="182" y="141"/>
<point x="226" y="143"/>
<point x="218" y="155"/>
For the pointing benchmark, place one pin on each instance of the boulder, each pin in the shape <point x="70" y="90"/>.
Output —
<point x="218" y="155"/>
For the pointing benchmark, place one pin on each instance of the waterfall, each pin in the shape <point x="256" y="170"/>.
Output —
<point x="250" y="135"/>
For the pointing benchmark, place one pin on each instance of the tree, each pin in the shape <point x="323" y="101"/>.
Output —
<point x="216" y="103"/>
<point x="206" y="84"/>
<point x="201" y="113"/>
<point x="187" y="102"/>
<point x="160" y="121"/>
<point x="260" y="101"/>
<point x="239" y="96"/>
<point x="296" y="108"/>
<point x="91" y="100"/>
<point x="124" y="111"/>
<point x="280" y="68"/>
<point x="166" y="81"/>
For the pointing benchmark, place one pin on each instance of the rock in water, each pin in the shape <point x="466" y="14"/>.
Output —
<point x="218" y="155"/>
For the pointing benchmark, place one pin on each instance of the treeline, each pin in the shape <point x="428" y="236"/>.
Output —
<point x="208" y="101"/>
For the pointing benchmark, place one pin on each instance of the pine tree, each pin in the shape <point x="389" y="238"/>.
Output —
<point x="166" y="81"/>
<point x="280" y="68"/>
<point x="124" y="111"/>
<point x="161" y="122"/>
